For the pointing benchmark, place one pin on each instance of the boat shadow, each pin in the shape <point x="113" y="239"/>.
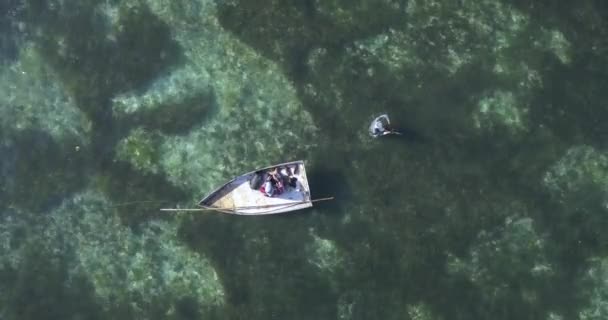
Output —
<point x="325" y="183"/>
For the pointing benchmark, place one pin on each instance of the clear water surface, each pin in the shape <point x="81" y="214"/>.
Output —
<point x="492" y="205"/>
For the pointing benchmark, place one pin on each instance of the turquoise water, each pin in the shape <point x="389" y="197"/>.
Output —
<point x="492" y="205"/>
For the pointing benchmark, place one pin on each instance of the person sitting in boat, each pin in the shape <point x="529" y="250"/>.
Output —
<point x="274" y="174"/>
<point x="273" y="185"/>
<point x="267" y="188"/>
<point x="289" y="176"/>
<point x="277" y="180"/>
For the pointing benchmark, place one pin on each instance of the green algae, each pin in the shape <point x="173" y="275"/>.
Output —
<point x="560" y="45"/>
<point x="518" y="244"/>
<point x="41" y="288"/>
<point x="211" y="150"/>
<point x="49" y="170"/>
<point x="576" y="184"/>
<point x="579" y="168"/>
<point x="38" y="101"/>
<point x="45" y="137"/>
<point x="501" y="109"/>
<point x="469" y="75"/>
<point x="140" y="149"/>
<point x="595" y="278"/>
<point x="144" y="275"/>
<point x="172" y="104"/>
<point x="420" y="312"/>
<point x="324" y="254"/>
<point x="254" y="286"/>
<point x="509" y="265"/>
<point x="94" y="67"/>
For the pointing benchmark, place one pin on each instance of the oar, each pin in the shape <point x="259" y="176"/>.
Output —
<point x="230" y="210"/>
<point x="322" y="199"/>
<point x="395" y="132"/>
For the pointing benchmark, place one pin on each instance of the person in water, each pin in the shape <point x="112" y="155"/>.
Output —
<point x="381" y="129"/>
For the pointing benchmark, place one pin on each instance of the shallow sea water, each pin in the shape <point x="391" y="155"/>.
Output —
<point x="491" y="205"/>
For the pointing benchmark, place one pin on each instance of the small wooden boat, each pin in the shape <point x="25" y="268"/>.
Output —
<point x="242" y="194"/>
